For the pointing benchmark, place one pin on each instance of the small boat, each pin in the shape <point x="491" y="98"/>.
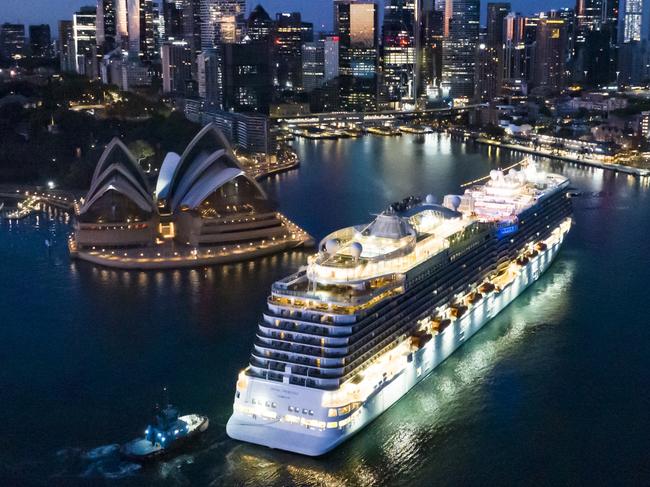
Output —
<point x="168" y="434"/>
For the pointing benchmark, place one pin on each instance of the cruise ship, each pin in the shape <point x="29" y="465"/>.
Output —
<point x="381" y="305"/>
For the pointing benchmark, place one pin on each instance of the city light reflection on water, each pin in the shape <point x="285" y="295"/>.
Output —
<point x="80" y="341"/>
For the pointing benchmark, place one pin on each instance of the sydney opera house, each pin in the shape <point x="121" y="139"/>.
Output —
<point x="205" y="209"/>
<point x="119" y="209"/>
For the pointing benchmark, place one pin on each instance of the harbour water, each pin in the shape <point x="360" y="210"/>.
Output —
<point x="555" y="390"/>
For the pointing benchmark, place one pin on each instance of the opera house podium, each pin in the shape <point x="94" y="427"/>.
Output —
<point x="205" y="210"/>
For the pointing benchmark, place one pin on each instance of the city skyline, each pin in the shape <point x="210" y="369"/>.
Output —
<point x="316" y="11"/>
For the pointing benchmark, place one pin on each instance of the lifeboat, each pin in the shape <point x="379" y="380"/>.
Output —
<point x="522" y="261"/>
<point x="474" y="298"/>
<point x="541" y="246"/>
<point x="440" y="325"/>
<point x="457" y="311"/>
<point x="486" y="287"/>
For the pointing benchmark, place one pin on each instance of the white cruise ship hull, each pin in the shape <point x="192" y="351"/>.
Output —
<point x="268" y="426"/>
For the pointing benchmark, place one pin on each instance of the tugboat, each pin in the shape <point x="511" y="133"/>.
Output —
<point x="168" y="433"/>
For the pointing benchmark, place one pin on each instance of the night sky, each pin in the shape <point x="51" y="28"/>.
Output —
<point x="317" y="11"/>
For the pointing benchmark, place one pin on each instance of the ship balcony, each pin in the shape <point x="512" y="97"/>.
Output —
<point x="300" y="380"/>
<point x="292" y="310"/>
<point x="305" y="327"/>
<point x="294" y="347"/>
<point x="299" y="365"/>
<point x="298" y="336"/>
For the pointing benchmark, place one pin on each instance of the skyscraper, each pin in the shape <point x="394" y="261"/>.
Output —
<point x="401" y="38"/>
<point x="246" y="81"/>
<point x="172" y="11"/>
<point x="515" y="49"/>
<point x="121" y="22"/>
<point x="40" y="40"/>
<point x="459" y="50"/>
<point x="192" y="24"/>
<point x="596" y="37"/>
<point x="12" y="41"/>
<point x="490" y="80"/>
<point x="290" y="34"/>
<point x="432" y="37"/>
<point x="106" y="28"/>
<point x="259" y="26"/>
<point x="320" y="62"/>
<point x="142" y="42"/>
<point x="84" y="31"/>
<point x="634" y="41"/>
<point x="550" y="54"/>
<point x="65" y="43"/>
<point x="356" y="24"/>
<point x="176" y="60"/>
<point x="221" y="21"/>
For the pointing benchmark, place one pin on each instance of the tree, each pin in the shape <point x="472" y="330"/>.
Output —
<point x="142" y="151"/>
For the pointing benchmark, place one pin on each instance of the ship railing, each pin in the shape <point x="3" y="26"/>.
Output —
<point x="342" y="298"/>
<point x="300" y="349"/>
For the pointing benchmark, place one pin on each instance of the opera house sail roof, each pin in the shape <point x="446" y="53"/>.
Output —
<point x="118" y="209"/>
<point x="205" y="209"/>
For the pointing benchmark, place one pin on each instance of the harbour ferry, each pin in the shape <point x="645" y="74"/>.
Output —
<point x="381" y="305"/>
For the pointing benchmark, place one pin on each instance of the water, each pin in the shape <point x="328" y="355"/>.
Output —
<point x="555" y="390"/>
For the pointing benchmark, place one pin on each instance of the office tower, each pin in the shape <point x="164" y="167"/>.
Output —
<point x="172" y="12"/>
<point x="84" y="29"/>
<point x="516" y="51"/>
<point x="290" y="34"/>
<point x="259" y="26"/>
<point x="140" y="21"/>
<point x="12" y="41"/>
<point x="432" y="37"/>
<point x="550" y="54"/>
<point x="192" y="24"/>
<point x="246" y="83"/>
<point x="221" y="21"/>
<point x="320" y="62"/>
<point x="459" y="50"/>
<point x="65" y="46"/>
<point x="176" y="59"/>
<point x="106" y="27"/>
<point x="634" y="41"/>
<point x="401" y="38"/>
<point x="121" y="23"/>
<point x="356" y="24"/>
<point x="40" y="41"/>
<point x="209" y="77"/>
<point x="491" y="52"/>
<point x="596" y="47"/>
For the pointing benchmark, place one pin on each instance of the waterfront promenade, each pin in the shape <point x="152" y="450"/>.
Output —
<point x="565" y="156"/>
<point x="172" y="255"/>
